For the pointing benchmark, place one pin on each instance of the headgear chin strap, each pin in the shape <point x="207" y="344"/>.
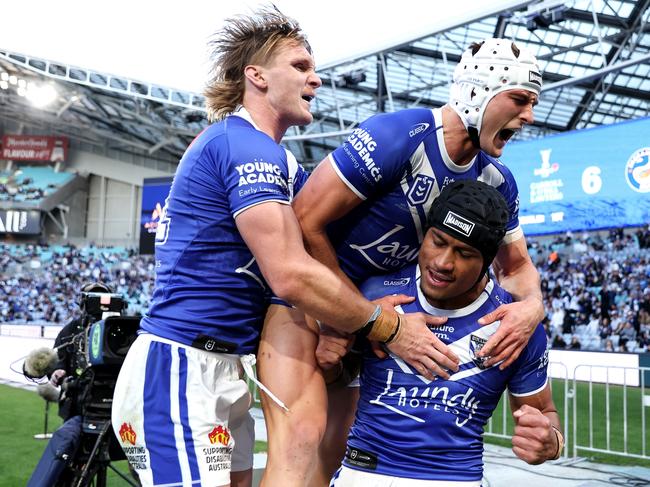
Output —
<point x="473" y="212"/>
<point x="483" y="74"/>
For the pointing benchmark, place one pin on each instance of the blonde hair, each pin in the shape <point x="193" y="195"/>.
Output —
<point x="244" y="40"/>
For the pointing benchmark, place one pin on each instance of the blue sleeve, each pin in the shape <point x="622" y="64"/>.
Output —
<point x="376" y="155"/>
<point x="300" y="179"/>
<point x="531" y="374"/>
<point x="255" y="170"/>
<point x="510" y="192"/>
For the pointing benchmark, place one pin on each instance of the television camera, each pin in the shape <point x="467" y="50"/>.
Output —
<point x="96" y="349"/>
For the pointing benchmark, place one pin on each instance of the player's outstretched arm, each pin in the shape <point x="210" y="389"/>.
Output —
<point x="537" y="436"/>
<point x="323" y="199"/>
<point x="273" y="235"/>
<point x="517" y="274"/>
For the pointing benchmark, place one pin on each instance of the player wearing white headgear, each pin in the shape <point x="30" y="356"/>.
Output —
<point x="363" y="213"/>
<point x="484" y="71"/>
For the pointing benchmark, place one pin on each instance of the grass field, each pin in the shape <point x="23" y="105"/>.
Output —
<point x="21" y="417"/>
<point x="599" y="432"/>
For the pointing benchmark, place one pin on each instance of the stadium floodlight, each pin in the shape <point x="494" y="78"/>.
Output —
<point x="13" y="79"/>
<point x="4" y="76"/>
<point x="4" y="85"/>
<point x="42" y="95"/>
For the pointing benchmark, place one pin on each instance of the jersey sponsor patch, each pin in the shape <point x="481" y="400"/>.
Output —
<point x="260" y="172"/>
<point x="364" y="145"/>
<point x="397" y="282"/>
<point x="420" y="127"/>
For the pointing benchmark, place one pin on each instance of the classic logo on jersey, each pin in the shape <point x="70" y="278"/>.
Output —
<point x="127" y="434"/>
<point x="421" y="189"/>
<point x="458" y="223"/>
<point x="364" y="145"/>
<point x="260" y="172"/>
<point x="397" y="282"/>
<point x="420" y="127"/>
<point x="219" y="435"/>
<point x="637" y="170"/>
<point x="476" y="343"/>
<point x="535" y="77"/>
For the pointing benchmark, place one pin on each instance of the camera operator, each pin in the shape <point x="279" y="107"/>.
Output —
<point x="66" y="371"/>
<point x="67" y="365"/>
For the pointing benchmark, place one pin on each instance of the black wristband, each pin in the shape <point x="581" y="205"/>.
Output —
<point x="394" y="334"/>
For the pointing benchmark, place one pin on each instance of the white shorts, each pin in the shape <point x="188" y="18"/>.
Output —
<point x="182" y="415"/>
<point x="349" y="477"/>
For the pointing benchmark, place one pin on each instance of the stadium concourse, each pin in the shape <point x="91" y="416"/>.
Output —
<point x="596" y="285"/>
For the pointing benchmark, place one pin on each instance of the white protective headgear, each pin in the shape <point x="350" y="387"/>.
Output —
<point x="483" y="74"/>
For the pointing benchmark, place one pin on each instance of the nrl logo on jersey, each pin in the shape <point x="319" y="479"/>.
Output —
<point x="421" y="189"/>
<point x="476" y="343"/>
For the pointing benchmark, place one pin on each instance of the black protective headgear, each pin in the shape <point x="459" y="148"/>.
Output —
<point x="473" y="212"/>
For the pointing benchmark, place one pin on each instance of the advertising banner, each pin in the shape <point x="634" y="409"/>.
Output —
<point x="34" y="148"/>
<point x="21" y="222"/>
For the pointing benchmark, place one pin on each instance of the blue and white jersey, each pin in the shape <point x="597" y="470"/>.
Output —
<point x="408" y="426"/>
<point x="209" y="291"/>
<point x="397" y="164"/>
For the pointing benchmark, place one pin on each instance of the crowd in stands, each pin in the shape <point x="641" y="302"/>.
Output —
<point x="41" y="283"/>
<point x="597" y="290"/>
<point x="596" y="286"/>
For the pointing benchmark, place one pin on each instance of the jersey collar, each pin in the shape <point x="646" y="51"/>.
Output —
<point x="452" y="313"/>
<point x="451" y="165"/>
<point x="241" y="112"/>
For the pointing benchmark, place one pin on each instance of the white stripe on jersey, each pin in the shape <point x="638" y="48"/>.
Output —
<point x="420" y="164"/>
<point x="344" y="179"/>
<point x="531" y="393"/>
<point x="292" y="166"/>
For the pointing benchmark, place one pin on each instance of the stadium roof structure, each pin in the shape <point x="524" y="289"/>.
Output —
<point x="594" y="56"/>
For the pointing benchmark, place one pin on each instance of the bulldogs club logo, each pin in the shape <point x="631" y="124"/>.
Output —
<point x="219" y="435"/>
<point x="476" y="343"/>
<point x="127" y="435"/>
<point x="637" y="170"/>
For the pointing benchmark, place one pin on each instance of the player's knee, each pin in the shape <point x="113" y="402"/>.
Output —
<point x="307" y="430"/>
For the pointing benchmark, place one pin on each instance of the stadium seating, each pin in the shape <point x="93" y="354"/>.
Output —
<point x="39" y="283"/>
<point x="31" y="183"/>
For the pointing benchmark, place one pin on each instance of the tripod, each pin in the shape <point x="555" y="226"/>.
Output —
<point x="92" y="469"/>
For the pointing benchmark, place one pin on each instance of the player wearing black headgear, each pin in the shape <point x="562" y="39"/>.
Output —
<point x="474" y="213"/>
<point x="386" y="445"/>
